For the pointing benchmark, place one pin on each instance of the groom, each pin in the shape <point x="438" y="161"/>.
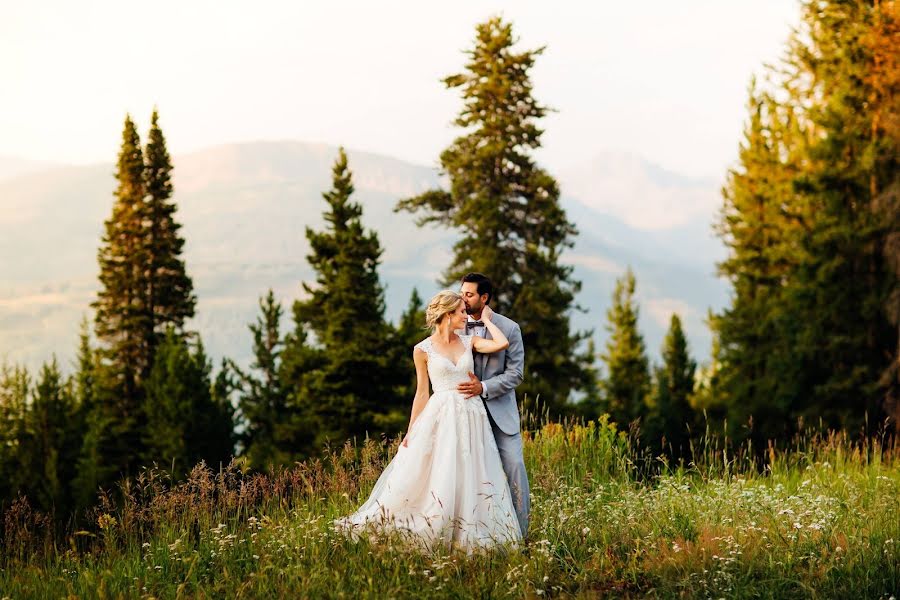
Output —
<point x="495" y="380"/>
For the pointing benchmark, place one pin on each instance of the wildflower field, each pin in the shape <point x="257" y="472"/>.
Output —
<point x="819" y="518"/>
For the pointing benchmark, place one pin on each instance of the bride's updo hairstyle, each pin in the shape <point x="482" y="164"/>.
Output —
<point x="442" y="304"/>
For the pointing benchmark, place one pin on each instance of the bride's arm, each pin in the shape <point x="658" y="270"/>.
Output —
<point x="420" y="359"/>
<point x="499" y="341"/>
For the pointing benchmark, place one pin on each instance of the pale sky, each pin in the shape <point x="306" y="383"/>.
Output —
<point x="663" y="80"/>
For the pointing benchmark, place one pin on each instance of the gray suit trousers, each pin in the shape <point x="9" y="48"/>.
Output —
<point x="510" y="447"/>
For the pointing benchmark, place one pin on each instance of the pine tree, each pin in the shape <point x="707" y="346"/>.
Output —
<point x="846" y="338"/>
<point x="52" y="442"/>
<point x="803" y="219"/>
<point x="409" y="332"/>
<point x="507" y="211"/>
<point x="352" y="392"/>
<point x="672" y="419"/>
<point x="217" y="446"/>
<point x="122" y="318"/>
<point x="762" y="222"/>
<point x="93" y="419"/>
<point x="85" y="376"/>
<point x="144" y="289"/>
<point x="121" y="323"/>
<point x="888" y="203"/>
<point x="169" y="289"/>
<point x="264" y="398"/>
<point x="105" y="453"/>
<point x="627" y="383"/>
<point x="184" y="423"/>
<point x="15" y="386"/>
<point x="710" y="397"/>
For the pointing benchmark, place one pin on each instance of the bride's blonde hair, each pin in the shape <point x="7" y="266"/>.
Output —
<point x="442" y="304"/>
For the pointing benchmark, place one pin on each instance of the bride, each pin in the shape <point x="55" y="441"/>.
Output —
<point x="446" y="485"/>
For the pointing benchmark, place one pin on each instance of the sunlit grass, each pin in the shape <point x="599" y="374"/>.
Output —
<point x="818" y="520"/>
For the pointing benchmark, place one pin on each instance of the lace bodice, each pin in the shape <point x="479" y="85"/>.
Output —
<point x="443" y="373"/>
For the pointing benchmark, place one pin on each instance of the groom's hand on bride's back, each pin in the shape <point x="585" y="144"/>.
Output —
<point x="470" y="388"/>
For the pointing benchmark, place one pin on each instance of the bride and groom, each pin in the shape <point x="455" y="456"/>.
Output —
<point x="459" y="476"/>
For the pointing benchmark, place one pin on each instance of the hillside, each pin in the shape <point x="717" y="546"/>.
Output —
<point x="245" y="208"/>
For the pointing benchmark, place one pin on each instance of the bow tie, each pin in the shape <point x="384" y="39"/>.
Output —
<point x="473" y="324"/>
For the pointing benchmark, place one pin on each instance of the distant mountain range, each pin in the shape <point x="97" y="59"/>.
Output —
<point x="245" y="208"/>
<point x="14" y="167"/>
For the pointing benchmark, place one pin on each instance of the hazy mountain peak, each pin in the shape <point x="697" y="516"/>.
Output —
<point x="644" y="195"/>
<point x="245" y="208"/>
<point x="286" y="161"/>
<point x="11" y="166"/>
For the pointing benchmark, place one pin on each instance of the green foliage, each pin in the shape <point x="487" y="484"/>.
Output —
<point x="275" y="431"/>
<point x="672" y="419"/>
<point x="102" y="432"/>
<point x="186" y="422"/>
<point x="709" y="397"/>
<point x="809" y="334"/>
<point x="41" y="428"/>
<point x="144" y="290"/>
<point x="507" y="211"/>
<point x="820" y="522"/>
<point x="351" y="389"/>
<point x="409" y="332"/>
<point x="626" y="386"/>
<point x="15" y="385"/>
<point x="169" y="292"/>
<point x="121" y="316"/>
<point x="53" y="441"/>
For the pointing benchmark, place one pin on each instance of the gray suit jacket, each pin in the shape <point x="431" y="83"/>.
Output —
<point x="502" y="372"/>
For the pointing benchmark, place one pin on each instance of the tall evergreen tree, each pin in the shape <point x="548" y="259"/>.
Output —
<point x="801" y="341"/>
<point x="889" y="203"/>
<point x="508" y="213"/>
<point x="121" y="315"/>
<point x="94" y="418"/>
<point x="274" y="430"/>
<point x="410" y="331"/>
<point x="85" y="376"/>
<point x="627" y="383"/>
<point x="298" y="428"/>
<point x="15" y="386"/>
<point x="170" y="298"/>
<point x="121" y="307"/>
<point x="262" y="397"/>
<point x="105" y="451"/>
<point x="144" y="289"/>
<point x="53" y="441"/>
<point x="185" y="424"/>
<point x="762" y="221"/>
<point x="672" y="417"/>
<point x="352" y="392"/>
<point x="709" y="398"/>
<point x="846" y="339"/>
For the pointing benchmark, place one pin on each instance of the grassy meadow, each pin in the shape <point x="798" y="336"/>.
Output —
<point x="820" y="519"/>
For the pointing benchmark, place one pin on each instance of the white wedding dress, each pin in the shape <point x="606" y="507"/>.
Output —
<point x="447" y="486"/>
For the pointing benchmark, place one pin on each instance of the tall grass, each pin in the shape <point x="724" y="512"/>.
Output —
<point x="818" y="518"/>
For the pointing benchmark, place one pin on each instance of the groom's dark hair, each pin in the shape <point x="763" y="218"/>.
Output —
<point x="484" y="284"/>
